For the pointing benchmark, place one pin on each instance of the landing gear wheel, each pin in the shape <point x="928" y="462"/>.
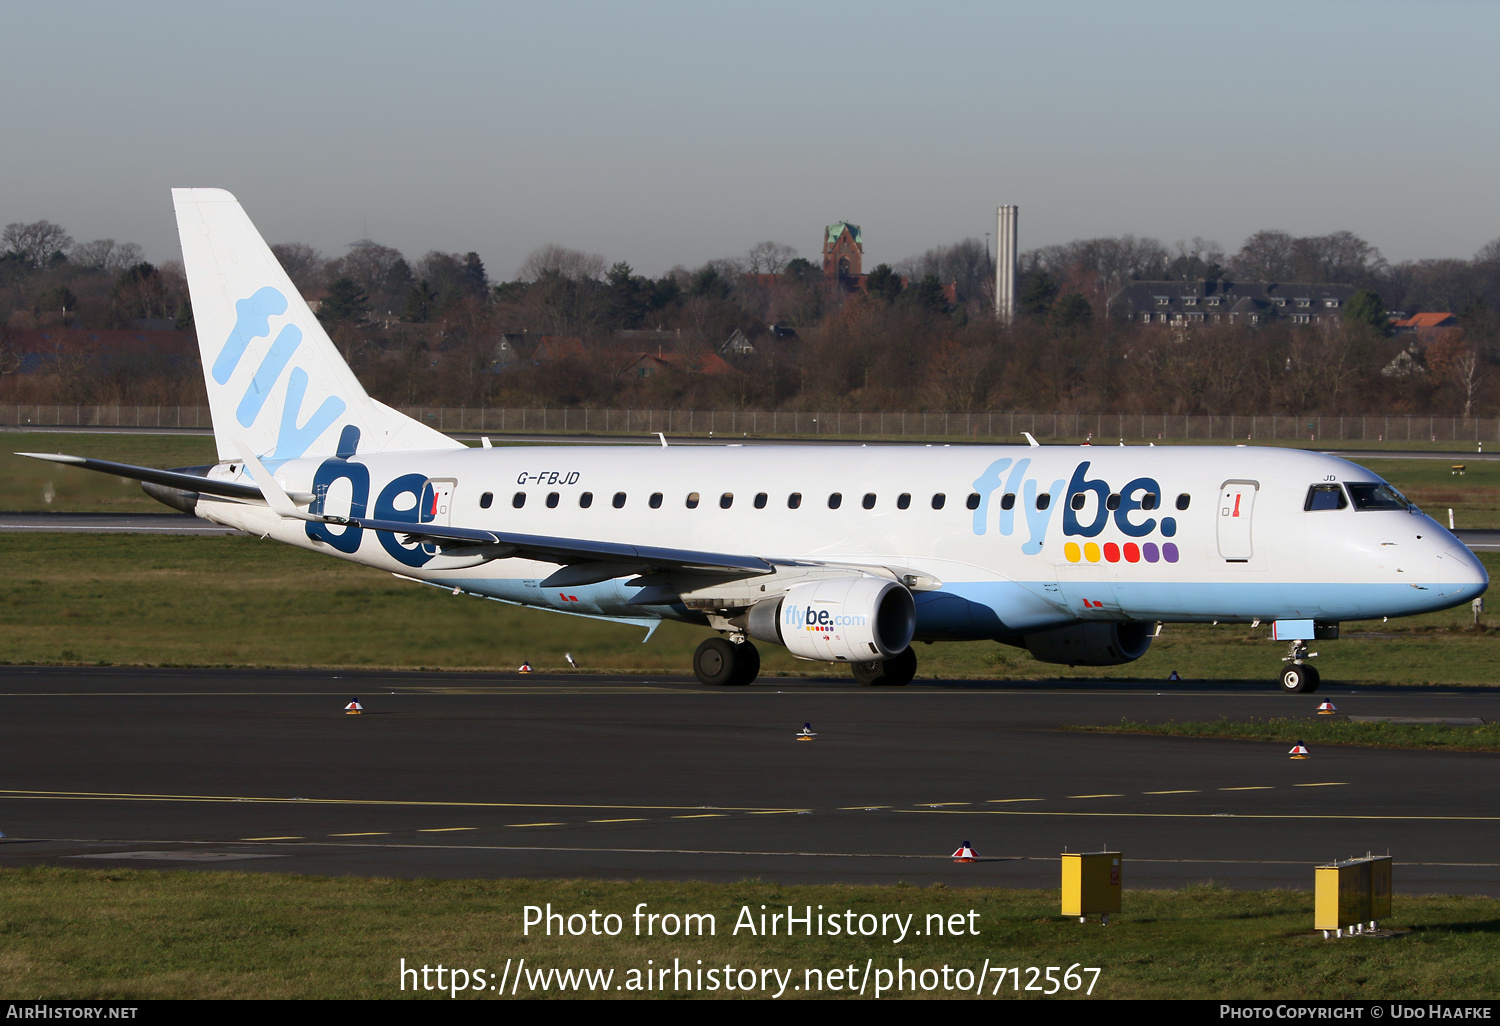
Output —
<point x="892" y="673"/>
<point x="1299" y="679"/>
<point x="714" y="662"/>
<point x="746" y="663"/>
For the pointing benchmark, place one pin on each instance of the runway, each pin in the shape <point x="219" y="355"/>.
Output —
<point x="464" y="775"/>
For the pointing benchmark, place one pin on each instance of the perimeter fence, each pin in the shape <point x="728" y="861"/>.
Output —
<point x="974" y="426"/>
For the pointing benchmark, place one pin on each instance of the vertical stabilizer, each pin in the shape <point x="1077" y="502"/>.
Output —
<point x="276" y="383"/>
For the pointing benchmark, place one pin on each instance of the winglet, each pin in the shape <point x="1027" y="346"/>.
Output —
<point x="663" y="439"/>
<point x="276" y="496"/>
<point x="1031" y="441"/>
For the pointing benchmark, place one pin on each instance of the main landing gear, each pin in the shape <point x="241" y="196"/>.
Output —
<point x="891" y="673"/>
<point x="721" y="661"/>
<point x="1299" y="677"/>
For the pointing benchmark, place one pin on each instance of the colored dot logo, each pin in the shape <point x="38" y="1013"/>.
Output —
<point x="1113" y="553"/>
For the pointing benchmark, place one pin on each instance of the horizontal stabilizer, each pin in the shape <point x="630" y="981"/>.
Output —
<point x="170" y="478"/>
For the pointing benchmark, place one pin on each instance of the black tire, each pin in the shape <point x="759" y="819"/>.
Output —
<point x="714" y="662"/>
<point x="890" y="673"/>
<point x="746" y="663"/>
<point x="1298" y="680"/>
<point x="1313" y="679"/>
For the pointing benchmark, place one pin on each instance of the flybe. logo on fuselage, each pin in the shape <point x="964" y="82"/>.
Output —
<point x="1129" y="509"/>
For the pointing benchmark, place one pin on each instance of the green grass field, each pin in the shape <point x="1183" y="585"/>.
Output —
<point x="145" y="934"/>
<point x="239" y="601"/>
<point x="1324" y="731"/>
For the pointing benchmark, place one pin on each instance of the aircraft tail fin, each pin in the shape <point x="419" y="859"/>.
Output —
<point x="276" y="382"/>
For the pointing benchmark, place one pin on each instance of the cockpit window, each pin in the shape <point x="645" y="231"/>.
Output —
<point x="1369" y="495"/>
<point x="1325" y="496"/>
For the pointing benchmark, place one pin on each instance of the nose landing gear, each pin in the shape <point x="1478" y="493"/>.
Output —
<point x="1299" y="677"/>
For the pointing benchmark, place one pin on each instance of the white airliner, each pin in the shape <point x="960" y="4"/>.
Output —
<point x="840" y="553"/>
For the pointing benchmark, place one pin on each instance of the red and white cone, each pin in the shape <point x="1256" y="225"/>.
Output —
<point x="806" y="733"/>
<point x="966" y="853"/>
<point x="1299" y="751"/>
<point x="1326" y="709"/>
<point x="525" y="668"/>
<point x="354" y="708"/>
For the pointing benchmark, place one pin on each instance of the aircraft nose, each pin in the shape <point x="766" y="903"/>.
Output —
<point x="1460" y="574"/>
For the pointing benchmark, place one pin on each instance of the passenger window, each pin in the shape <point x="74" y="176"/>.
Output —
<point x="726" y="500"/>
<point x="619" y="500"/>
<point x="518" y="500"/>
<point x="938" y="500"/>
<point x="1183" y="500"/>
<point x="1325" y="496"/>
<point x="655" y="501"/>
<point x="692" y="500"/>
<point x="760" y="500"/>
<point x="869" y="500"/>
<point x="973" y="501"/>
<point x="903" y="500"/>
<point x="1149" y="500"/>
<point x="1079" y="498"/>
<point x="552" y="498"/>
<point x="835" y="500"/>
<point x="1113" y="502"/>
<point x="1008" y="500"/>
<point x="794" y="500"/>
<point x="585" y="500"/>
<point x="486" y="499"/>
<point x="1044" y="500"/>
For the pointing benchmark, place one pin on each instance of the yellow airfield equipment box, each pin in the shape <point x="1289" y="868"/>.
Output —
<point x="1091" y="884"/>
<point x="1349" y="895"/>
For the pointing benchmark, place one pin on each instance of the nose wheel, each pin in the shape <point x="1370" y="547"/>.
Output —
<point x="1299" y="677"/>
<point x="720" y="661"/>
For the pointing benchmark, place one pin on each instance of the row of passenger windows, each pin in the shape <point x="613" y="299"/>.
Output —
<point x="835" y="500"/>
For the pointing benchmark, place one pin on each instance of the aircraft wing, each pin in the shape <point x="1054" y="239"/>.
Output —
<point x="613" y="559"/>
<point x="170" y="478"/>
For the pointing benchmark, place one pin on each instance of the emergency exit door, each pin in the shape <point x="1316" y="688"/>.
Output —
<point x="1236" y="504"/>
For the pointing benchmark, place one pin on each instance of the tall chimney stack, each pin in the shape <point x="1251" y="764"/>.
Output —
<point x="1005" y="265"/>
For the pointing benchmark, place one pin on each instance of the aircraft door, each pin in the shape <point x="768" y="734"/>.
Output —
<point x="437" y="501"/>
<point x="1236" y="504"/>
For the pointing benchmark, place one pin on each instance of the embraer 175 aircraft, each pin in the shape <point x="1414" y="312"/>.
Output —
<point x="840" y="553"/>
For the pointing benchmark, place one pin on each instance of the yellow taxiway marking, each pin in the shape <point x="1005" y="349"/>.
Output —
<point x="939" y="805"/>
<point x="1095" y="796"/>
<point x="1203" y="815"/>
<point x="128" y="797"/>
<point x="535" y="824"/>
<point x="365" y="833"/>
<point x="861" y="808"/>
<point x="1257" y="787"/>
<point x="1001" y="801"/>
<point x="289" y="837"/>
<point x="443" y="830"/>
<point x="1329" y="783"/>
<point x="1170" y="792"/>
<point x="700" y="815"/>
<point x="629" y="819"/>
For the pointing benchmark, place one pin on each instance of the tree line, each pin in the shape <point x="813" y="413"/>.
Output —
<point x="920" y="334"/>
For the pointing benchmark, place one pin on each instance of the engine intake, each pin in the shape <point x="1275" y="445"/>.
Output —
<point x="1091" y="644"/>
<point x="843" y="619"/>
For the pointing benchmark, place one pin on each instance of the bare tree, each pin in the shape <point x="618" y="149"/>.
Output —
<point x="36" y="242"/>
<point x="1265" y="256"/>
<point x="560" y="260"/>
<point x="768" y="257"/>
<point x="303" y="264"/>
<point x="106" y="255"/>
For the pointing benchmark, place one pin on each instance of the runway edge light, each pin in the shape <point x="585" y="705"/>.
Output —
<point x="966" y="853"/>
<point x="1299" y="751"/>
<point x="524" y="668"/>
<point x="1327" y="709"/>
<point x="806" y="733"/>
<point x="354" y="708"/>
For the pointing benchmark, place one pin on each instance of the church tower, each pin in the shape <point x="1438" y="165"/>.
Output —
<point x="843" y="251"/>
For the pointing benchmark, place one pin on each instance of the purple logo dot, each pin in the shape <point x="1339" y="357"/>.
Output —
<point x="1169" y="552"/>
<point x="1149" y="551"/>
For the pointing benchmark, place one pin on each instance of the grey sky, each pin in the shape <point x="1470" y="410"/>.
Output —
<point x="661" y="133"/>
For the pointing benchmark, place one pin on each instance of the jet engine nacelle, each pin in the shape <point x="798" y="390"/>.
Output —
<point x="842" y="619"/>
<point x="1091" y="644"/>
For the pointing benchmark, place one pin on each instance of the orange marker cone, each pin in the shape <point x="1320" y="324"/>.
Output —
<point x="354" y="708"/>
<point x="525" y="668"/>
<point x="966" y="853"/>
<point x="1326" y="709"/>
<point x="806" y="733"/>
<point x="1299" y="751"/>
